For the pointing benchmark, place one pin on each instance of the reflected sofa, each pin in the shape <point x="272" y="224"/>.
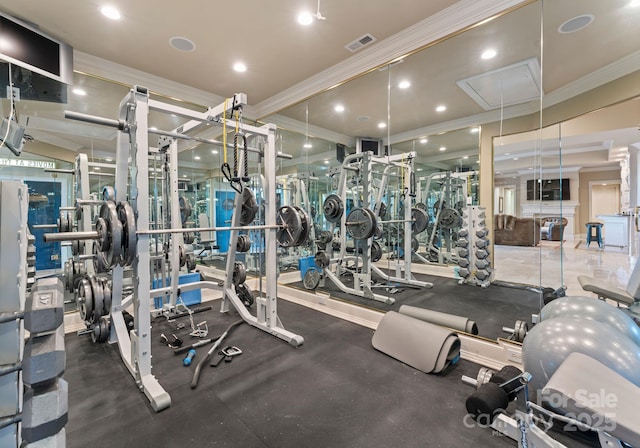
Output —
<point x="510" y="230"/>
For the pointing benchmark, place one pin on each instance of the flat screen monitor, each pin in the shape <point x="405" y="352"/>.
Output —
<point x="25" y="46"/>
<point x="548" y="190"/>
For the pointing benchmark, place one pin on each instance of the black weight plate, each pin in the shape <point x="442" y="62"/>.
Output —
<point x="109" y="213"/>
<point x="382" y="211"/>
<point x="333" y="208"/>
<point x="239" y="273"/>
<point x="449" y="218"/>
<point x="322" y="259"/>
<point x="185" y="208"/>
<point x="290" y="226"/>
<point x="245" y="295"/>
<point x="376" y="251"/>
<point x="304" y="220"/>
<point x="415" y="244"/>
<point x="419" y="220"/>
<point x="103" y="234"/>
<point x="421" y="206"/>
<point x="108" y="193"/>
<point x="325" y="237"/>
<point x="130" y="237"/>
<point x="360" y="224"/>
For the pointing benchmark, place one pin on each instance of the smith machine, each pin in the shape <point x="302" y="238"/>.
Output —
<point x="125" y="234"/>
<point x="359" y="181"/>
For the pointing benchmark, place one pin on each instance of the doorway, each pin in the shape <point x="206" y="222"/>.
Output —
<point x="604" y="200"/>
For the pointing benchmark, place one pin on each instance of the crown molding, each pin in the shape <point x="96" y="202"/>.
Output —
<point x="457" y="17"/>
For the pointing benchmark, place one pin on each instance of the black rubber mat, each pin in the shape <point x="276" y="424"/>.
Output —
<point x="333" y="391"/>
<point x="491" y="308"/>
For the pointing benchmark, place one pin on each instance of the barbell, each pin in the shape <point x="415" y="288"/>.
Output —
<point x="116" y="232"/>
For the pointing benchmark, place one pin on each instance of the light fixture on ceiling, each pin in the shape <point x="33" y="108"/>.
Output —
<point x="404" y="84"/>
<point x="576" y="23"/>
<point x="382" y="125"/>
<point x="78" y="91"/>
<point x="326" y="162"/>
<point x="423" y="141"/>
<point x="443" y="148"/>
<point x="110" y="12"/>
<point x="516" y="158"/>
<point x="214" y="151"/>
<point x="634" y="3"/>
<point x="96" y="168"/>
<point x="465" y="157"/>
<point x="339" y="108"/>
<point x="419" y="169"/>
<point x="308" y="145"/>
<point x="109" y="159"/>
<point x="441" y="108"/>
<point x="306" y="18"/>
<point x="182" y="44"/>
<point x="196" y="157"/>
<point x="474" y="130"/>
<point x="489" y="54"/>
<point x="240" y="67"/>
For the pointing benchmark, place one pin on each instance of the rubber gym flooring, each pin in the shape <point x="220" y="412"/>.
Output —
<point x="491" y="308"/>
<point x="333" y="391"/>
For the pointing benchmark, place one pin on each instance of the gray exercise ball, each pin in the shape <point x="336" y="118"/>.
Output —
<point x="550" y="342"/>
<point x="592" y="309"/>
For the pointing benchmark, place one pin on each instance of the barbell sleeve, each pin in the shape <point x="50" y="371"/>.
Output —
<point x="94" y="119"/>
<point x="69" y="236"/>
<point x="45" y="226"/>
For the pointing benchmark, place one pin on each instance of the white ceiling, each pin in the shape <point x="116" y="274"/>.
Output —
<point x="288" y="63"/>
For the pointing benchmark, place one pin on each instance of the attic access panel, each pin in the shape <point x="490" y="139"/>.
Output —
<point x="514" y="84"/>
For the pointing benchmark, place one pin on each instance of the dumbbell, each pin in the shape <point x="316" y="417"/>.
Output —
<point x="483" y="377"/>
<point x="518" y="332"/>
<point x="493" y="397"/>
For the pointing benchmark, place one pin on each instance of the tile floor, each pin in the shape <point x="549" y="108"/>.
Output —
<point x="551" y="267"/>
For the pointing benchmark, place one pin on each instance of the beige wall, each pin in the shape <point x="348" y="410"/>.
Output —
<point x="585" y="178"/>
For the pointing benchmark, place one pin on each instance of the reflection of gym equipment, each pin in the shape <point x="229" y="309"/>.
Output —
<point x="127" y="238"/>
<point x="360" y="223"/>
<point x="445" y="196"/>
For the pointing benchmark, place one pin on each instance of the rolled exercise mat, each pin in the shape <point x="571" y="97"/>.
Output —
<point x="443" y="319"/>
<point x="424" y="346"/>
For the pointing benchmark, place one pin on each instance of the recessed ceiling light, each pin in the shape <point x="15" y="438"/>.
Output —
<point x="182" y="43"/>
<point x="184" y="175"/>
<point x="196" y="158"/>
<point x="214" y="151"/>
<point x="109" y="159"/>
<point x="443" y="148"/>
<point x="441" y="108"/>
<point x="339" y="108"/>
<point x="305" y="18"/>
<point x="576" y="24"/>
<point x="516" y="158"/>
<point x="474" y="130"/>
<point x="419" y="169"/>
<point x="530" y="168"/>
<point x="79" y="91"/>
<point x="153" y="128"/>
<point x="497" y="172"/>
<point x="634" y="3"/>
<point x="326" y="161"/>
<point x="96" y="168"/>
<point x="110" y="12"/>
<point x="507" y="153"/>
<point x="423" y="141"/>
<point x="404" y="84"/>
<point x="465" y="157"/>
<point x="240" y="67"/>
<point x="308" y="145"/>
<point x="488" y="54"/>
<point x="382" y="125"/>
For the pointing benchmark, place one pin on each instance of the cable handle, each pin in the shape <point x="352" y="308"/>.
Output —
<point x="235" y="177"/>
<point x="245" y="178"/>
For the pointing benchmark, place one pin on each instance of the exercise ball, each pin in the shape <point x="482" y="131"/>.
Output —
<point x="592" y="309"/>
<point x="550" y="342"/>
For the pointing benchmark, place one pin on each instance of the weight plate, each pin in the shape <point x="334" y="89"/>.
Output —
<point x="68" y="276"/>
<point x="101" y="330"/>
<point x="325" y="237"/>
<point x="100" y="263"/>
<point x="304" y="220"/>
<point x="108" y="193"/>
<point x="243" y="244"/>
<point x="419" y="220"/>
<point x="85" y="299"/>
<point x="98" y="298"/>
<point x="290" y="226"/>
<point x="114" y="229"/>
<point x="521" y="329"/>
<point x="181" y="256"/>
<point x="333" y="208"/>
<point x="185" y="209"/>
<point x="376" y="251"/>
<point x="63" y="224"/>
<point x="360" y="223"/>
<point x="106" y="289"/>
<point x="322" y="259"/>
<point x="245" y="294"/>
<point x="437" y="206"/>
<point x="76" y="247"/>
<point x="382" y="210"/>
<point x="249" y="207"/>
<point x="449" y="218"/>
<point x="313" y="211"/>
<point x="127" y="219"/>
<point x="103" y="234"/>
<point x="311" y="278"/>
<point x="484" y="375"/>
<point x="415" y="244"/>
<point x="239" y="273"/>
<point x="378" y="234"/>
<point x="188" y="237"/>
<point x="421" y="206"/>
<point x="191" y="262"/>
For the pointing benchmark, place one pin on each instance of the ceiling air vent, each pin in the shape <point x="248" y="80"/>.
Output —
<point x="360" y="42"/>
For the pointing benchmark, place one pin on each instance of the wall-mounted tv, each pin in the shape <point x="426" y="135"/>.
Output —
<point x="548" y="190"/>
